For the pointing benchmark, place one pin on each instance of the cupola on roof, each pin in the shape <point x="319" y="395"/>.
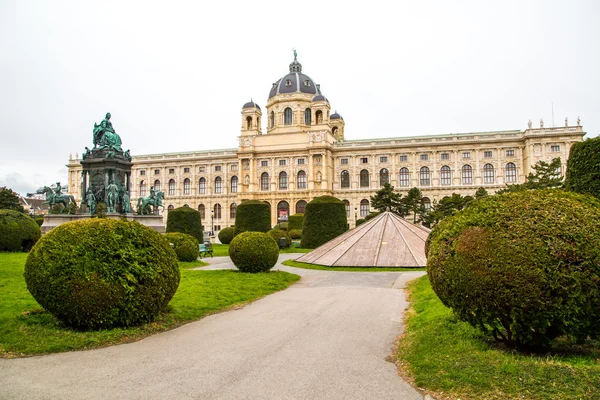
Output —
<point x="251" y="104"/>
<point x="294" y="82"/>
<point x="335" y="115"/>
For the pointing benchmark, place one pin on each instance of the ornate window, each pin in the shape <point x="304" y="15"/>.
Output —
<point x="300" y="207"/>
<point x="234" y="184"/>
<point x="446" y="175"/>
<point x="307" y="116"/>
<point x="186" y="186"/>
<point x="232" y="210"/>
<point x="404" y="177"/>
<point x="510" y="173"/>
<point x="283" y="180"/>
<point x="264" y="181"/>
<point x="272" y="119"/>
<point x="467" y="175"/>
<point x="488" y="173"/>
<point x="249" y="123"/>
<point x="384" y="177"/>
<point x="424" y="177"/>
<point x="217" y="211"/>
<point x="345" y="179"/>
<point x="142" y="188"/>
<point x="202" y="211"/>
<point x="283" y="211"/>
<point x="364" y="178"/>
<point x="171" y="207"/>
<point x="347" y="205"/>
<point x="218" y="185"/>
<point x="364" y="207"/>
<point x="172" y="187"/>
<point x="287" y="116"/>
<point x="319" y="116"/>
<point x="426" y="204"/>
<point x="301" y="180"/>
<point x="157" y="185"/>
<point x="202" y="186"/>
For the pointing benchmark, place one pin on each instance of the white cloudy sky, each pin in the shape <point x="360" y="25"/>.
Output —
<point x="174" y="74"/>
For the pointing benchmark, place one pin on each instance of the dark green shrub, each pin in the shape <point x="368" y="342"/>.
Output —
<point x="252" y="215"/>
<point x="372" y="215"/>
<point x="185" y="246"/>
<point x="18" y="231"/>
<point x="296" y="234"/>
<point x="325" y="219"/>
<point x="277" y="226"/>
<point x="185" y="220"/>
<point x="523" y="266"/>
<point x="226" y="235"/>
<point x="39" y="219"/>
<point x="100" y="273"/>
<point x="583" y="167"/>
<point x="283" y="226"/>
<point x="253" y="251"/>
<point x="360" y="221"/>
<point x="295" y="221"/>
<point x="276" y="234"/>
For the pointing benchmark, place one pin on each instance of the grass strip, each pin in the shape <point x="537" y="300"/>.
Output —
<point x="222" y="250"/>
<point x="26" y="329"/>
<point x="452" y="360"/>
<point x="292" y="263"/>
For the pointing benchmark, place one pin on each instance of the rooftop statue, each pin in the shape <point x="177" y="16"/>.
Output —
<point x="105" y="135"/>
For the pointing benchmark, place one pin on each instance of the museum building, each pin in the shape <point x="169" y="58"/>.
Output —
<point x="304" y="154"/>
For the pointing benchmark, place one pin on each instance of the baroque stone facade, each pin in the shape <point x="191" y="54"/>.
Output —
<point x="304" y="155"/>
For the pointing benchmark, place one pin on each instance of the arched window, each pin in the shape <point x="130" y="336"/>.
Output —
<point x="467" y="175"/>
<point x="217" y="211"/>
<point x="142" y="188"/>
<point x="171" y="207"/>
<point x="283" y="211"/>
<point x="404" y="178"/>
<point x="232" y="210"/>
<point x="249" y="123"/>
<point x="264" y="181"/>
<point x="364" y="207"/>
<point x="426" y="204"/>
<point x="283" y="180"/>
<point x="186" y="186"/>
<point x="345" y="179"/>
<point x="364" y="178"/>
<point x="287" y="116"/>
<point x="157" y="185"/>
<point x="272" y="119"/>
<point x="334" y="131"/>
<point x="488" y="173"/>
<point x="202" y="186"/>
<point x="446" y="175"/>
<point x="234" y="183"/>
<point x="218" y="185"/>
<point x="301" y="180"/>
<point x="510" y="173"/>
<point x="307" y="116"/>
<point x="202" y="211"/>
<point x="319" y="116"/>
<point x="300" y="207"/>
<point x="172" y="187"/>
<point x="384" y="176"/>
<point x="424" y="176"/>
<point x="347" y="205"/>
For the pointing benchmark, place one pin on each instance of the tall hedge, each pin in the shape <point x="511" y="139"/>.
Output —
<point x="253" y="216"/>
<point x="583" y="167"/>
<point x="100" y="273"/>
<point x="523" y="267"/>
<point x="296" y="221"/>
<point x="18" y="231"/>
<point x="324" y="219"/>
<point x="185" y="220"/>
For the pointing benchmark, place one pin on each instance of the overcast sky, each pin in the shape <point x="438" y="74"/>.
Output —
<point x="175" y="74"/>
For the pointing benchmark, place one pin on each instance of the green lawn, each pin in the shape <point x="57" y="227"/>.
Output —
<point x="221" y="250"/>
<point x="452" y="360"/>
<point x="26" y="329"/>
<point x="292" y="263"/>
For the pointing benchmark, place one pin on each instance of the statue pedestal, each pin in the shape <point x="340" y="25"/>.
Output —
<point x="151" y="221"/>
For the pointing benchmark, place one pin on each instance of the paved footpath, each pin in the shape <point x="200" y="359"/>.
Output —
<point x="326" y="337"/>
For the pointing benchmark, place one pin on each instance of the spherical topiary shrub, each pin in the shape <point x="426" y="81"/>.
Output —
<point x="18" y="231"/>
<point x="324" y="219"/>
<point x="253" y="252"/>
<point x="185" y="246"/>
<point x="185" y="220"/>
<point x="226" y="235"/>
<point x="100" y="273"/>
<point x="252" y="215"/>
<point x="523" y="266"/>
<point x="295" y="221"/>
<point x="296" y="234"/>
<point x="277" y="234"/>
<point x="583" y="167"/>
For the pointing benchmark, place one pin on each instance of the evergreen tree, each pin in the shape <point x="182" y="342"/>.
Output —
<point x="481" y="192"/>
<point x="9" y="200"/>
<point x="386" y="197"/>
<point x="414" y="203"/>
<point x="545" y="175"/>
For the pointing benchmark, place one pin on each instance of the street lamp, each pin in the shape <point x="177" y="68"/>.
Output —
<point x="355" y="216"/>
<point x="212" y="225"/>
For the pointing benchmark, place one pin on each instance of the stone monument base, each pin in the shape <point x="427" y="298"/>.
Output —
<point x="151" y="221"/>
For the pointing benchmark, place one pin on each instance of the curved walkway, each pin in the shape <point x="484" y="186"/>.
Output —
<point x="326" y="337"/>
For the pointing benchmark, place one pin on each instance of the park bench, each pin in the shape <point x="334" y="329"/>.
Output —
<point x="206" y="249"/>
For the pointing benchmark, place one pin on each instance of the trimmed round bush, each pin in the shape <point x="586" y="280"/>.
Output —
<point x="283" y="226"/>
<point x="185" y="246"/>
<point x="226" y="235"/>
<point x="583" y="167"/>
<point x="101" y="273"/>
<point x="276" y="234"/>
<point x="295" y="221"/>
<point x="254" y="216"/>
<point x="524" y="267"/>
<point x="325" y="219"/>
<point x="253" y="251"/>
<point x="185" y="220"/>
<point x="18" y="231"/>
<point x="295" y="234"/>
